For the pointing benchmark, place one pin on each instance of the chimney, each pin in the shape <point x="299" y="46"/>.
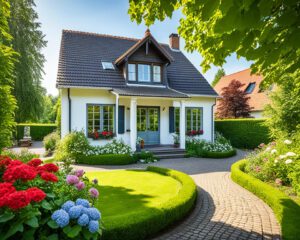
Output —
<point x="174" y="41"/>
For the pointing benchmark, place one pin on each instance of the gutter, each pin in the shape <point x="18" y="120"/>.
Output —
<point x="70" y="115"/>
<point x="213" y="122"/>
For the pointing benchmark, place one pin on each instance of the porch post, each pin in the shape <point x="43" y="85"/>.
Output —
<point x="133" y="130"/>
<point x="182" y="124"/>
<point x="117" y="116"/>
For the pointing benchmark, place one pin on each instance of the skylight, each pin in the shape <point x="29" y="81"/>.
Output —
<point x="250" y="88"/>
<point x="107" y="65"/>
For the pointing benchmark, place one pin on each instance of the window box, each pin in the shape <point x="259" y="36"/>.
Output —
<point x="103" y="135"/>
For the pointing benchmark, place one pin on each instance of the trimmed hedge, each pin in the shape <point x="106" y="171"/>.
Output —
<point x="107" y="159"/>
<point x="244" y="133"/>
<point x="141" y="227"/>
<point x="37" y="130"/>
<point x="220" y="154"/>
<point x="286" y="210"/>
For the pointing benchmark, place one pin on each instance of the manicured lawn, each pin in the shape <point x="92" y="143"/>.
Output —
<point x="135" y="204"/>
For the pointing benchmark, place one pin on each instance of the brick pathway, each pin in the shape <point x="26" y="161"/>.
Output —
<point x="224" y="210"/>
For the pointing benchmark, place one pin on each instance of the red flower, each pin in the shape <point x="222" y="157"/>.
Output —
<point x="49" y="177"/>
<point x="3" y="200"/>
<point x="40" y="169"/>
<point x="35" y="194"/>
<point x="35" y="162"/>
<point x="50" y="167"/>
<point x="15" y="172"/>
<point x="4" y="161"/>
<point x="15" y="163"/>
<point x="18" y="200"/>
<point x="96" y="135"/>
<point x="6" y="188"/>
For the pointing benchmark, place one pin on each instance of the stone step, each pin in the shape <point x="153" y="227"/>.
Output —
<point x="166" y="150"/>
<point x="169" y="155"/>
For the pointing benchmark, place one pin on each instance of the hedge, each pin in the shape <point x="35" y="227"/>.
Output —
<point x="37" y="130"/>
<point x="220" y="154"/>
<point x="107" y="159"/>
<point x="142" y="227"/>
<point x="244" y="133"/>
<point x="286" y="210"/>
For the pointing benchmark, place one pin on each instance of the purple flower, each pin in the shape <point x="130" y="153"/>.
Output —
<point x="95" y="181"/>
<point x="79" y="173"/>
<point x="80" y="185"/>
<point x="94" y="192"/>
<point x="72" y="179"/>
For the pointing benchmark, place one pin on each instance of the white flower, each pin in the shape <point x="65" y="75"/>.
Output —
<point x="282" y="156"/>
<point x="268" y="149"/>
<point x="288" y="161"/>
<point x="290" y="154"/>
<point x="276" y="161"/>
<point x="288" y="142"/>
<point x="274" y="151"/>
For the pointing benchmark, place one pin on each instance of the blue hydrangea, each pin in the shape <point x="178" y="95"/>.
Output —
<point x="67" y="205"/>
<point x="93" y="213"/>
<point x="83" y="202"/>
<point x="93" y="226"/>
<point x="75" y="212"/>
<point x="83" y="220"/>
<point x="84" y="211"/>
<point x="61" y="217"/>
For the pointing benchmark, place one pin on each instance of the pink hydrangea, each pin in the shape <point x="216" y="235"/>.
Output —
<point x="79" y="173"/>
<point x="80" y="185"/>
<point x="94" y="192"/>
<point x="72" y="179"/>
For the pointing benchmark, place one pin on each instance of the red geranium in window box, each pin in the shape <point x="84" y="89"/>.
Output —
<point x="194" y="133"/>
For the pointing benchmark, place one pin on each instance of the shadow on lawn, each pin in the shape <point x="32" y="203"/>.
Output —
<point x="290" y="225"/>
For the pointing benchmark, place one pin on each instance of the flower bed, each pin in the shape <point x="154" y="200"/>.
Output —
<point x="286" y="210"/>
<point x="38" y="200"/>
<point x="151" y="200"/>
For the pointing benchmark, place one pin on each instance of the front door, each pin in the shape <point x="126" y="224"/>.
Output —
<point x="148" y="124"/>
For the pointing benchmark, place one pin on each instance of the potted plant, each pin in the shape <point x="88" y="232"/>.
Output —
<point x="140" y="143"/>
<point x="176" y="140"/>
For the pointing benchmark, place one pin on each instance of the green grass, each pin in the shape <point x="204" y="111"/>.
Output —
<point x="135" y="204"/>
<point x="286" y="210"/>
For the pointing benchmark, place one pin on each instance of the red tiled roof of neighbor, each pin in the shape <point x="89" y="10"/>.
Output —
<point x="257" y="99"/>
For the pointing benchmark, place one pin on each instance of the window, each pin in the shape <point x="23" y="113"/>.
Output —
<point x="250" y="88"/>
<point x="144" y="73"/>
<point x="193" y="119"/>
<point x="156" y="74"/>
<point x="107" y="65"/>
<point x="131" y="72"/>
<point x="100" y="118"/>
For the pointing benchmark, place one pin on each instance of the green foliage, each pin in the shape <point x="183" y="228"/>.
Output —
<point x="244" y="133"/>
<point x="7" y="59"/>
<point x="28" y="41"/>
<point x="24" y="155"/>
<point x="220" y="73"/>
<point x="50" y="142"/>
<point x="50" y="110"/>
<point x="58" y="115"/>
<point x="286" y="210"/>
<point x="283" y="113"/>
<point x="72" y="147"/>
<point x="107" y="159"/>
<point x="265" y="32"/>
<point x="142" y="214"/>
<point x="37" y="130"/>
<point x="144" y="157"/>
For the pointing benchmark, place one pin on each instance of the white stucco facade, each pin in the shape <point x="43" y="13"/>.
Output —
<point x="257" y="114"/>
<point x="74" y="104"/>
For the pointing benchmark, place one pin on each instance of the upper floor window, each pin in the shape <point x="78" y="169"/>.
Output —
<point x="107" y="65"/>
<point x="156" y="74"/>
<point x="250" y="88"/>
<point x="144" y="73"/>
<point x="131" y="72"/>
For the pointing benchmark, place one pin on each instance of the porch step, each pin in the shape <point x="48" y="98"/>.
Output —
<point x="170" y="155"/>
<point x="166" y="152"/>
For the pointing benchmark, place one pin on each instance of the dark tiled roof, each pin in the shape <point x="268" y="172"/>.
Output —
<point x="149" y="92"/>
<point x="80" y="64"/>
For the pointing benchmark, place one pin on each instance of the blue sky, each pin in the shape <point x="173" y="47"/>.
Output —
<point x="107" y="17"/>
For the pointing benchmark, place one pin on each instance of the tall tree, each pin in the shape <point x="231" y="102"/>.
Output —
<point x="28" y="41"/>
<point x="7" y="59"/>
<point x="264" y="31"/>
<point x="234" y="102"/>
<point x="220" y="73"/>
<point x="50" y="109"/>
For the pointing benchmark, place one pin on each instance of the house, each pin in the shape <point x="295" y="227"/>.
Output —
<point x="258" y="97"/>
<point x="131" y="88"/>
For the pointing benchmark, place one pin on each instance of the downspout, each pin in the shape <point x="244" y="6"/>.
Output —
<point x="117" y="113"/>
<point x="213" y="122"/>
<point x="69" y="100"/>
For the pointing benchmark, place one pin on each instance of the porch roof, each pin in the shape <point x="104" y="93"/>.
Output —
<point x="149" y="92"/>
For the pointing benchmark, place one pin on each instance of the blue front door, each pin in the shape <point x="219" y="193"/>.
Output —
<point x="148" y="124"/>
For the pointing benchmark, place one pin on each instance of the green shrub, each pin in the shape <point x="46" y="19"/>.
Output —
<point x="244" y="133"/>
<point x="230" y="153"/>
<point x="24" y="155"/>
<point x="50" y="141"/>
<point x="286" y="210"/>
<point x="143" y="226"/>
<point x="37" y="130"/>
<point x="107" y="159"/>
<point x="144" y="157"/>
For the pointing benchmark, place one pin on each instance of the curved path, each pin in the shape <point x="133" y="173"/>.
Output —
<point x="224" y="210"/>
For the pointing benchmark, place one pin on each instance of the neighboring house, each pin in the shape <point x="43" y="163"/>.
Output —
<point x="131" y="88"/>
<point x="258" y="97"/>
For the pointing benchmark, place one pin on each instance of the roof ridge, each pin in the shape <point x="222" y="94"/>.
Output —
<point x="99" y="34"/>
<point x="237" y="72"/>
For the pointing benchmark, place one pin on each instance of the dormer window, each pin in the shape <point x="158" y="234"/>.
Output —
<point x="144" y="73"/>
<point x="250" y="88"/>
<point x="131" y="72"/>
<point x="108" y="65"/>
<point x="156" y="74"/>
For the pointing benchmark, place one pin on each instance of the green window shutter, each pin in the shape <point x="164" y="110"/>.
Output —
<point x="171" y="119"/>
<point x="121" y="120"/>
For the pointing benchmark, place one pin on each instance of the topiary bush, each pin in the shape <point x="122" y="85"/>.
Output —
<point x="37" y="130"/>
<point x="244" y="133"/>
<point x="107" y="159"/>
<point x="50" y="142"/>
